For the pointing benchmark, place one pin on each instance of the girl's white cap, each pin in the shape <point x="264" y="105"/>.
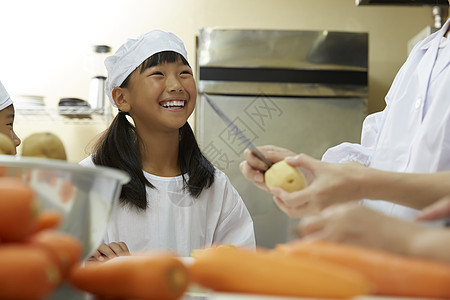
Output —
<point x="5" y="100"/>
<point x="131" y="54"/>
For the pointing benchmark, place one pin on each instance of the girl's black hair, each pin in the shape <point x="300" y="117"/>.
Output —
<point x="118" y="148"/>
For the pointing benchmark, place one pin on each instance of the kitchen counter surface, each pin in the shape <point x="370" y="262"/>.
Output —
<point x="195" y="293"/>
<point x="231" y="296"/>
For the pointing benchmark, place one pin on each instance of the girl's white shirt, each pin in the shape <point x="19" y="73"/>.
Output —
<point x="412" y="134"/>
<point x="176" y="221"/>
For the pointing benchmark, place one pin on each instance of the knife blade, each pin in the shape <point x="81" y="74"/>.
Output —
<point x="239" y="134"/>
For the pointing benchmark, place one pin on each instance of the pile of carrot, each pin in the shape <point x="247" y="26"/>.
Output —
<point x="263" y="272"/>
<point x="320" y="269"/>
<point x="35" y="258"/>
<point x="390" y="274"/>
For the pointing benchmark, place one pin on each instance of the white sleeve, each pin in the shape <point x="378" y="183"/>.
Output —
<point x="87" y="162"/>
<point x="361" y="153"/>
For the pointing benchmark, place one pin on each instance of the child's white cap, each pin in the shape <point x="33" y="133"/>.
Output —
<point x="5" y="100"/>
<point x="131" y="54"/>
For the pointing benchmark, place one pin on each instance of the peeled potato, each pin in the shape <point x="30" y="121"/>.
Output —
<point x="285" y="176"/>
<point x="6" y="145"/>
<point x="45" y="145"/>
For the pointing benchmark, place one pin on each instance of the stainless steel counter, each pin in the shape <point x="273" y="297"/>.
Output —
<point x="72" y="295"/>
<point x="68" y="293"/>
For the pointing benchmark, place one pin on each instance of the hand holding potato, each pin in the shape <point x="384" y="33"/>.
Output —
<point x="327" y="184"/>
<point x="324" y="183"/>
<point x="253" y="168"/>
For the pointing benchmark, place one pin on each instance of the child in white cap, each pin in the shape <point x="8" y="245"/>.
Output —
<point x="176" y="199"/>
<point x="7" y="114"/>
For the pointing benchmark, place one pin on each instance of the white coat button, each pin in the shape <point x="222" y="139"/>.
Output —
<point x="418" y="103"/>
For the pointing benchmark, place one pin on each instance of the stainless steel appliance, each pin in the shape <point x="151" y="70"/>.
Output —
<point x="302" y="90"/>
<point x="97" y="95"/>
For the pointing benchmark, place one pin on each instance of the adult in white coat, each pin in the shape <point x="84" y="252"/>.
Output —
<point x="412" y="134"/>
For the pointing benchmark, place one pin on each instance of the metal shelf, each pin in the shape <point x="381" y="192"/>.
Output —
<point x="66" y="115"/>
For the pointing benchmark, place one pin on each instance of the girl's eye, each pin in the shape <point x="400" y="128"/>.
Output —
<point x="157" y="73"/>
<point x="9" y="124"/>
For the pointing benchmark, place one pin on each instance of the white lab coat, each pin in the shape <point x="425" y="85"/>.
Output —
<point x="412" y="134"/>
<point x="176" y="221"/>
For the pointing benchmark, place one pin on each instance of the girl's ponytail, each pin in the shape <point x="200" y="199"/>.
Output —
<point x="118" y="148"/>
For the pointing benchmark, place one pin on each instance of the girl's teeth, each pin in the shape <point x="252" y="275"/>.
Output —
<point x="174" y="104"/>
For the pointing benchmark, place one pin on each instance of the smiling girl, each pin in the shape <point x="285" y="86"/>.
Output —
<point x="176" y="199"/>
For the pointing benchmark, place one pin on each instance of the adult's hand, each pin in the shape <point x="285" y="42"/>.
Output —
<point x="253" y="168"/>
<point x="327" y="184"/>
<point x="436" y="211"/>
<point x="355" y="224"/>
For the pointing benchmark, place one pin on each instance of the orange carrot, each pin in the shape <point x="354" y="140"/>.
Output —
<point x="65" y="249"/>
<point x="48" y="219"/>
<point x="197" y="252"/>
<point x="18" y="210"/>
<point x="159" y="276"/>
<point x="26" y="272"/>
<point x="261" y="272"/>
<point x="3" y="171"/>
<point x="392" y="275"/>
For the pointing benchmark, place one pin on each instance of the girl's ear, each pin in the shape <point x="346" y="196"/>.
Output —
<point x="120" y="99"/>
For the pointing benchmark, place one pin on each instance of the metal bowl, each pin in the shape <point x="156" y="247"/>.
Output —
<point x="84" y="195"/>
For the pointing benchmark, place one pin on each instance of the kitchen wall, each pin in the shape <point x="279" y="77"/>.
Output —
<point x="45" y="44"/>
